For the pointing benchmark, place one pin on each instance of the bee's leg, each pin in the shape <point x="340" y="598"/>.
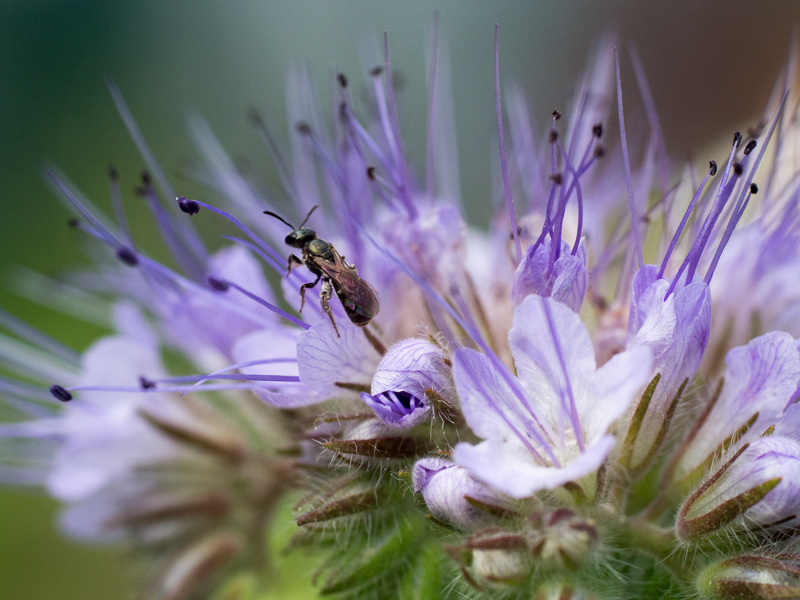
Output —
<point x="292" y="262"/>
<point x="303" y="288"/>
<point x="325" y="294"/>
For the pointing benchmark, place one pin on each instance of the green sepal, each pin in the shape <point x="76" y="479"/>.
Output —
<point x="722" y="514"/>
<point x="341" y="507"/>
<point x="391" y="553"/>
<point x="752" y="578"/>
<point x="383" y="447"/>
<point x="424" y="580"/>
<point x="636" y="421"/>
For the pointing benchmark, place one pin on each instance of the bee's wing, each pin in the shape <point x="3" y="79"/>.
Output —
<point x="347" y="283"/>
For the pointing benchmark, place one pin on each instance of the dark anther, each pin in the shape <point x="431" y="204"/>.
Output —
<point x="112" y="172"/>
<point x="340" y="77"/>
<point x="597" y="130"/>
<point x="737" y="139"/>
<point x="304" y="128"/>
<point x="218" y="284"/>
<point x="553" y="136"/>
<point x="146" y="179"/>
<point x="74" y="223"/>
<point x="712" y="165"/>
<point x="146" y="383"/>
<point x="599" y="152"/>
<point x="375" y="71"/>
<point x="127" y="256"/>
<point x="556" y="115"/>
<point x="371" y="173"/>
<point x="556" y="178"/>
<point x="753" y="188"/>
<point x="60" y="393"/>
<point x="190" y="207"/>
<point x="737" y="168"/>
<point x="750" y="146"/>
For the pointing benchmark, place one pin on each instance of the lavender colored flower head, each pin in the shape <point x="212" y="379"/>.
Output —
<point x="560" y="418"/>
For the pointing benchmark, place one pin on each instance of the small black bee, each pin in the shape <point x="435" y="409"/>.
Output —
<point x="359" y="298"/>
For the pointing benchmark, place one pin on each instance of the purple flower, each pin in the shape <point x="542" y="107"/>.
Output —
<point x="551" y="425"/>
<point x="411" y="372"/>
<point x="759" y="382"/>
<point x="676" y="329"/>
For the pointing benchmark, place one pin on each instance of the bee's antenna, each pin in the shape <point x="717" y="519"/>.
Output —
<point x="313" y="208"/>
<point x="281" y="219"/>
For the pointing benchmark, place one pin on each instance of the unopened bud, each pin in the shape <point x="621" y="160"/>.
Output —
<point x="751" y="578"/>
<point x="758" y="487"/>
<point x="452" y="495"/>
<point x="561" y="539"/>
<point x="398" y="391"/>
<point x="501" y="561"/>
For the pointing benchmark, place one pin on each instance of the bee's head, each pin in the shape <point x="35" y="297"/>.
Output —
<point x="300" y="237"/>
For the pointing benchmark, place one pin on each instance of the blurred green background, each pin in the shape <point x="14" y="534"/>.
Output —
<point x="710" y="65"/>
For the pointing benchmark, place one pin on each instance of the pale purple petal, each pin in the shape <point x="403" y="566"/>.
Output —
<point x="489" y="405"/>
<point x="203" y="328"/>
<point x="539" y="359"/>
<point x="617" y="384"/>
<point x="323" y="359"/>
<point x="503" y="466"/>
<point x="279" y="342"/>
<point x="676" y="330"/>
<point x="761" y="377"/>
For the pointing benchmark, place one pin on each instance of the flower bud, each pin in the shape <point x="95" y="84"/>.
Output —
<point x="565" y="282"/>
<point x="406" y="376"/>
<point x="499" y="557"/>
<point x="508" y="567"/>
<point x="758" y="487"/>
<point x="751" y="578"/>
<point x="561" y="539"/>
<point x="453" y="496"/>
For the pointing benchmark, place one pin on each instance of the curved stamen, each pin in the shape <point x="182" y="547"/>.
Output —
<point x="504" y="166"/>
<point x="677" y="235"/>
<point x="637" y="236"/>
<point x="221" y="285"/>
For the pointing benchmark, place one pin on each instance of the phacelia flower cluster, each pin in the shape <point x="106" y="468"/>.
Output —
<point x="594" y="398"/>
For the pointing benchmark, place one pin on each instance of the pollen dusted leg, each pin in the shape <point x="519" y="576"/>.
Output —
<point x="325" y="294"/>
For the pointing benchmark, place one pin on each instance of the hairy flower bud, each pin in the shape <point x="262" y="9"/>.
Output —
<point x="758" y="487"/>
<point x="561" y="539"/>
<point x="406" y="376"/>
<point x="751" y="578"/>
<point x="454" y="496"/>
<point x="499" y="558"/>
